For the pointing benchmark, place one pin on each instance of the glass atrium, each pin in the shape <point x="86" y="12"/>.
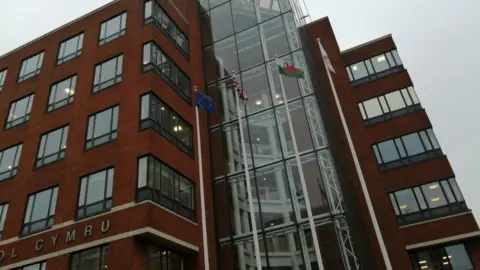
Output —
<point x="246" y="36"/>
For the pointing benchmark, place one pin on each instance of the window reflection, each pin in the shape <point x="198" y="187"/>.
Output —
<point x="259" y="99"/>
<point x="375" y="67"/>
<point x="454" y="257"/>
<point x="263" y="139"/>
<point x="221" y="22"/>
<point x="432" y="200"/>
<point x="250" y="51"/>
<point x="275" y="37"/>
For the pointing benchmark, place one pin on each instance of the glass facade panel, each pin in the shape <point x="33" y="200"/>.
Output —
<point x="246" y="38"/>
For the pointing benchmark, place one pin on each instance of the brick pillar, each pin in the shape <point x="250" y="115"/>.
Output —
<point x="127" y="254"/>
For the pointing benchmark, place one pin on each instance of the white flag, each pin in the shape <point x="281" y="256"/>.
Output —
<point x="325" y="57"/>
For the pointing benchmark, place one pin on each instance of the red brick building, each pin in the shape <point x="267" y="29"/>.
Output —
<point x="422" y="214"/>
<point x="99" y="162"/>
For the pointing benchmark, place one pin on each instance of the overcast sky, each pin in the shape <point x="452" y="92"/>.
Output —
<point x="438" y="41"/>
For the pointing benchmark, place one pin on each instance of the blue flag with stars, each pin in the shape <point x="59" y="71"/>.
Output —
<point x="205" y="102"/>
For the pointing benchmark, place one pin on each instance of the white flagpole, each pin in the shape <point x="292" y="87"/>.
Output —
<point x="302" y="177"/>
<point x="202" y="192"/>
<point x="371" y="211"/>
<point x="249" y="185"/>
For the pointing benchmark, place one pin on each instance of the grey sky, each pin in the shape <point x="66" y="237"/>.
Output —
<point x="438" y="41"/>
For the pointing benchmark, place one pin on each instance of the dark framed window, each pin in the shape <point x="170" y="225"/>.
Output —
<point x="19" y="111"/>
<point x="155" y="14"/>
<point x="389" y="106"/>
<point x="102" y="127"/>
<point x="9" y="159"/>
<point x="52" y="146"/>
<point x="3" y="217"/>
<point x="70" y="49"/>
<point x="30" y="67"/>
<point x="95" y="193"/>
<point x="156" y="60"/>
<point x="428" y="201"/>
<point x="163" y="259"/>
<point x="3" y="75"/>
<point x="448" y="257"/>
<point x="61" y="93"/>
<point x="36" y="266"/>
<point x="40" y="211"/>
<point x="113" y="28"/>
<point x="90" y="259"/>
<point x="408" y="149"/>
<point x="376" y="67"/>
<point x="157" y="115"/>
<point x="108" y="73"/>
<point x="163" y="185"/>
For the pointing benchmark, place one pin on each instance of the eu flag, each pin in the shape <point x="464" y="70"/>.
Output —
<point x="205" y="102"/>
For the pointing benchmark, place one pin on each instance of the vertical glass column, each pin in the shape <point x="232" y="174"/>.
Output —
<point x="246" y="36"/>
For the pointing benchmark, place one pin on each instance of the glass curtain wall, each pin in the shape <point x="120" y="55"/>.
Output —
<point x="246" y="36"/>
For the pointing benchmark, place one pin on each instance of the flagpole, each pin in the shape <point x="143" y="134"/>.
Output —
<point x="366" y="195"/>
<point x="249" y="185"/>
<point x="302" y="177"/>
<point x="202" y="191"/>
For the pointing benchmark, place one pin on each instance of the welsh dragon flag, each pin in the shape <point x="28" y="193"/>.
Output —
<point x="290" y="70"/>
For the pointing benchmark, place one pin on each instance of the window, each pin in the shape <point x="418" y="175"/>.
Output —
<point x="155" y="14"/>
<point x="102" y="127"/>
<point x="3" y="216"/>
<point x="3" y="75"/>
<point x="19" y="111"/>
<point x="37" y="266"/>
<point x="30" y="67"/>
<point x="165" y="186"/>
<point x="408" y="149"/>
<point x="90" y="259"/>
<point x="163" y="259"/>
<point x="374" y="68"/>
<point x="52" y="146"/>
<point x="108" y="73"/>
<point x="95" y="193"/>
<point x="452" y="257"/>
<point x="61" y="93"/>
<point x="40" y="211"/>
<point x="113" y="28"/>
<point x="9" y="159"/>
<point x="157" y="115"/>
<point x="389" y="106"/>
<point x="428" y="201"/>
<point x="70" y="49"/>
<point x="155" y="59"/>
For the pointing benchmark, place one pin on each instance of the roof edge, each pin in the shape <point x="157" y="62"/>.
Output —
<point x="366" y="43"/>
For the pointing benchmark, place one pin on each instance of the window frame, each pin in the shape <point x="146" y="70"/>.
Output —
<point x="403" y="158"/>
<point x="3" y="77"/>
<point x="69" y="99"/>
<point x="371" y="76"/>
<point x="155" y="6"/>
<point x="442" y="248"/>
<point x="118" y="78"/>
<point x="16" y="160"/>
<point x="42" y="266"/>
<point x="150" y="122"/>
<point x="65" y="58"/>
<point x="163" y="253"/>
<point x="424" y="211"/>
<point x="112" y="135"/>
<point x="150" y="65"/>
<point x="9" y="124"/>
<point x="102" y="251"/>
<point x="107" y="200"/>
<point x="390" y="114"/>
<point x="24" y="77"/>
<point x="54" y="190"/>
<point x="122" y="32"/>
<point x="61" y="151"/>
<point x="3" y="217"/>
<point x="151" y="193"/>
